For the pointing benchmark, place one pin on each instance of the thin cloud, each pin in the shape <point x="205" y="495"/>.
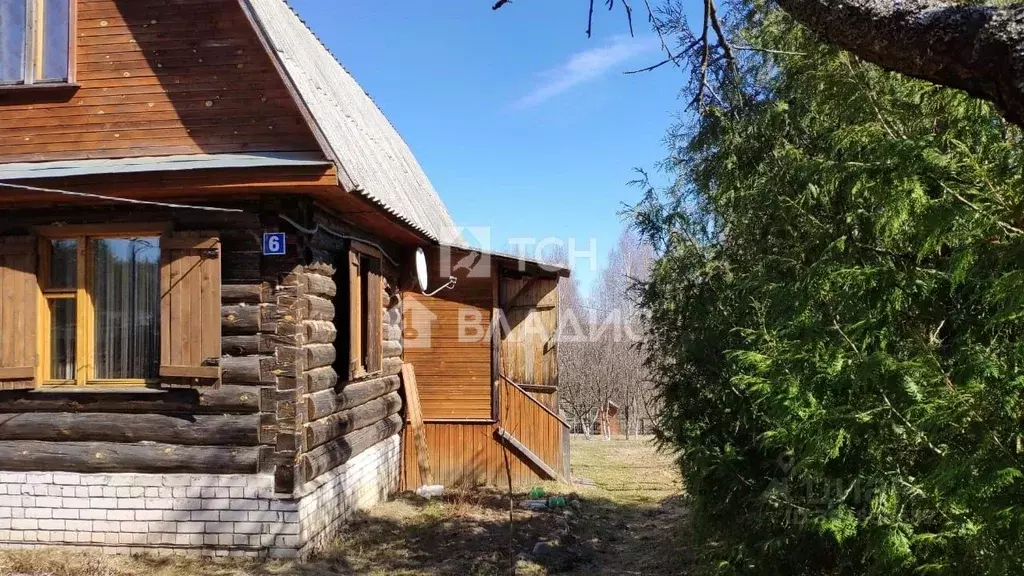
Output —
<point x="585" y="66"/>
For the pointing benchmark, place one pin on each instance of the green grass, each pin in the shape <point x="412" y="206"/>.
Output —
<point x="626" y="471"/>
<point x="631" y="521"/>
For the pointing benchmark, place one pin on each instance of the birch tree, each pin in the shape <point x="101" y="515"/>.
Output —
<point x="629" y="264"/>
<point x="576" y="357"/>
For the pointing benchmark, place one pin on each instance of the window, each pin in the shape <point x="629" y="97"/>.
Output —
<point x="366" y="311"/>
<point x="101" y="310"/>
<point x="113" y="304"/>
<point x="35" y="41"/>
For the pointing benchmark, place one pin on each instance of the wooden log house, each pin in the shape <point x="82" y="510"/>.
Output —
<point x="174" y="375"/>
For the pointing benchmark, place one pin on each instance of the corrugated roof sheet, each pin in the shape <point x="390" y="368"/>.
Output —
<point x="371" y="152"/>
<point x="68" y="168"/>
<point x="544" y="265"/>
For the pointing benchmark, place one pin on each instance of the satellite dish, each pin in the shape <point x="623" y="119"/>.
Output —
<point x="421" y="269"/>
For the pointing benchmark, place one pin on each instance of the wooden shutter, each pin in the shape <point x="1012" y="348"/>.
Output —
<point x="366" y="314"/>
<point x="374" y="319"/>
<point x="355" y="322"/>
<point x="19" y="300"/>
<point x="190" y="306"/>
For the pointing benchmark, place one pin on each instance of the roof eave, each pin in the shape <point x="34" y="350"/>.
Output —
<point x="523" y="264"/>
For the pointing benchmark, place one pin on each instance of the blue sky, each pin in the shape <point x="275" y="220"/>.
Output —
<point x="521" y="122"/>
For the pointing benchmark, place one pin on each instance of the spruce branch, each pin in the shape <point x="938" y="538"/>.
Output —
<point x="1007" y="227"/>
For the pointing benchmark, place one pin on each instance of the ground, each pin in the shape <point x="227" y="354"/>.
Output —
<point x="624" y="516"/>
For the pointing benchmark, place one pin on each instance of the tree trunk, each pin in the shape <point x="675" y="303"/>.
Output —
<point x="628" y="414"/>
<point x="590" y="425"/>
<point x="978" y="49"/>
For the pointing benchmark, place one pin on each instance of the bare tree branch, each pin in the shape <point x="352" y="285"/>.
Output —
<point x="661" y="37"/>
<point x="975" y="48"/>
<point x="590" y="19"/>
<point x="673" y="58"/>
<point x="629" y="16"/>
<point x="699" y="99"/>
<point x="711" y="13"/>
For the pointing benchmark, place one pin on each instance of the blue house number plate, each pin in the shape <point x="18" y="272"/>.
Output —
<point x="273" y="244"/>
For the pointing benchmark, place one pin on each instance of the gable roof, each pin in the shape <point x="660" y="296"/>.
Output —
<point x="371" y="157"/>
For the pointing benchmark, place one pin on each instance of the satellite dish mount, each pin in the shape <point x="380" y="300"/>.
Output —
<point x="422" y="278"/>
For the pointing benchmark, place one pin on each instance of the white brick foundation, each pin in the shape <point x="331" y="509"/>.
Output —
<point x="202" y="514"/>
<point x="327" y="503"/>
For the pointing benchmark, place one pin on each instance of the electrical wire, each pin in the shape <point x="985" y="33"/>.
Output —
<point x="117" y="198"/>
<point x="319" y="228"/>
<point x="447" y="285"/>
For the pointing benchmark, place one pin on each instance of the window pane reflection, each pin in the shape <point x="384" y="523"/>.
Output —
<point x="62" y="339"/>
<point x="126" y="296"/>
<point x="63" y="264"/>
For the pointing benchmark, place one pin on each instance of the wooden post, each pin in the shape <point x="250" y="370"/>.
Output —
<point x="496" y="311"/>
<point x="419" y="433"/>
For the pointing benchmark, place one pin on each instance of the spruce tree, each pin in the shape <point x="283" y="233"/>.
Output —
<point x="837" y="316"/>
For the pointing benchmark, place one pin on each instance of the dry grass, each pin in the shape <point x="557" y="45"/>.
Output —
<point x="633" y="519"/>
<point x="630" y="522"/>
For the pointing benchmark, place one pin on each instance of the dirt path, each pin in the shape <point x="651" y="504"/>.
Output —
<point x="633" y="518"/>
<point x="629" y="520"/>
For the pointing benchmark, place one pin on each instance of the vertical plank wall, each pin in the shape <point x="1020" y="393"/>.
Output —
<point x="529" y="353"/>
<point x="535" y="426"/>
<point x="469" y="452"/>
<point x="446" y="338"/>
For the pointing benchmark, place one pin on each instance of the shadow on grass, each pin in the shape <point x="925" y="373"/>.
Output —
<point x="466" y="533"/>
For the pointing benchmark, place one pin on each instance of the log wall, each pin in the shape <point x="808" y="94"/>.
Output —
<point x="245" y="425"/>
<point x="335" y="419"/>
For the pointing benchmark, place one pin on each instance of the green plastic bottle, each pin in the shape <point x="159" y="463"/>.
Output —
<point x="555" y="502"/>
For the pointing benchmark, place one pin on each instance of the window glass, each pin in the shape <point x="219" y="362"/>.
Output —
<point x="62" y="339"/>
<point x="63" y="263"/>
<point x="56" y="35"/>
<point x="12" y="40"/>
<point x="126" y="296"/>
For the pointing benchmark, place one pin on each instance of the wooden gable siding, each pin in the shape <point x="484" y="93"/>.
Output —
<point x="158" y="77"/>
<point x="453" y="362"/>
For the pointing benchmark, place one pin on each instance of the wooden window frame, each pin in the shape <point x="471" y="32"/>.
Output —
<point x="33" y="65"/>
<point x="357" y="316"/>
<point x="84" y="308"/>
